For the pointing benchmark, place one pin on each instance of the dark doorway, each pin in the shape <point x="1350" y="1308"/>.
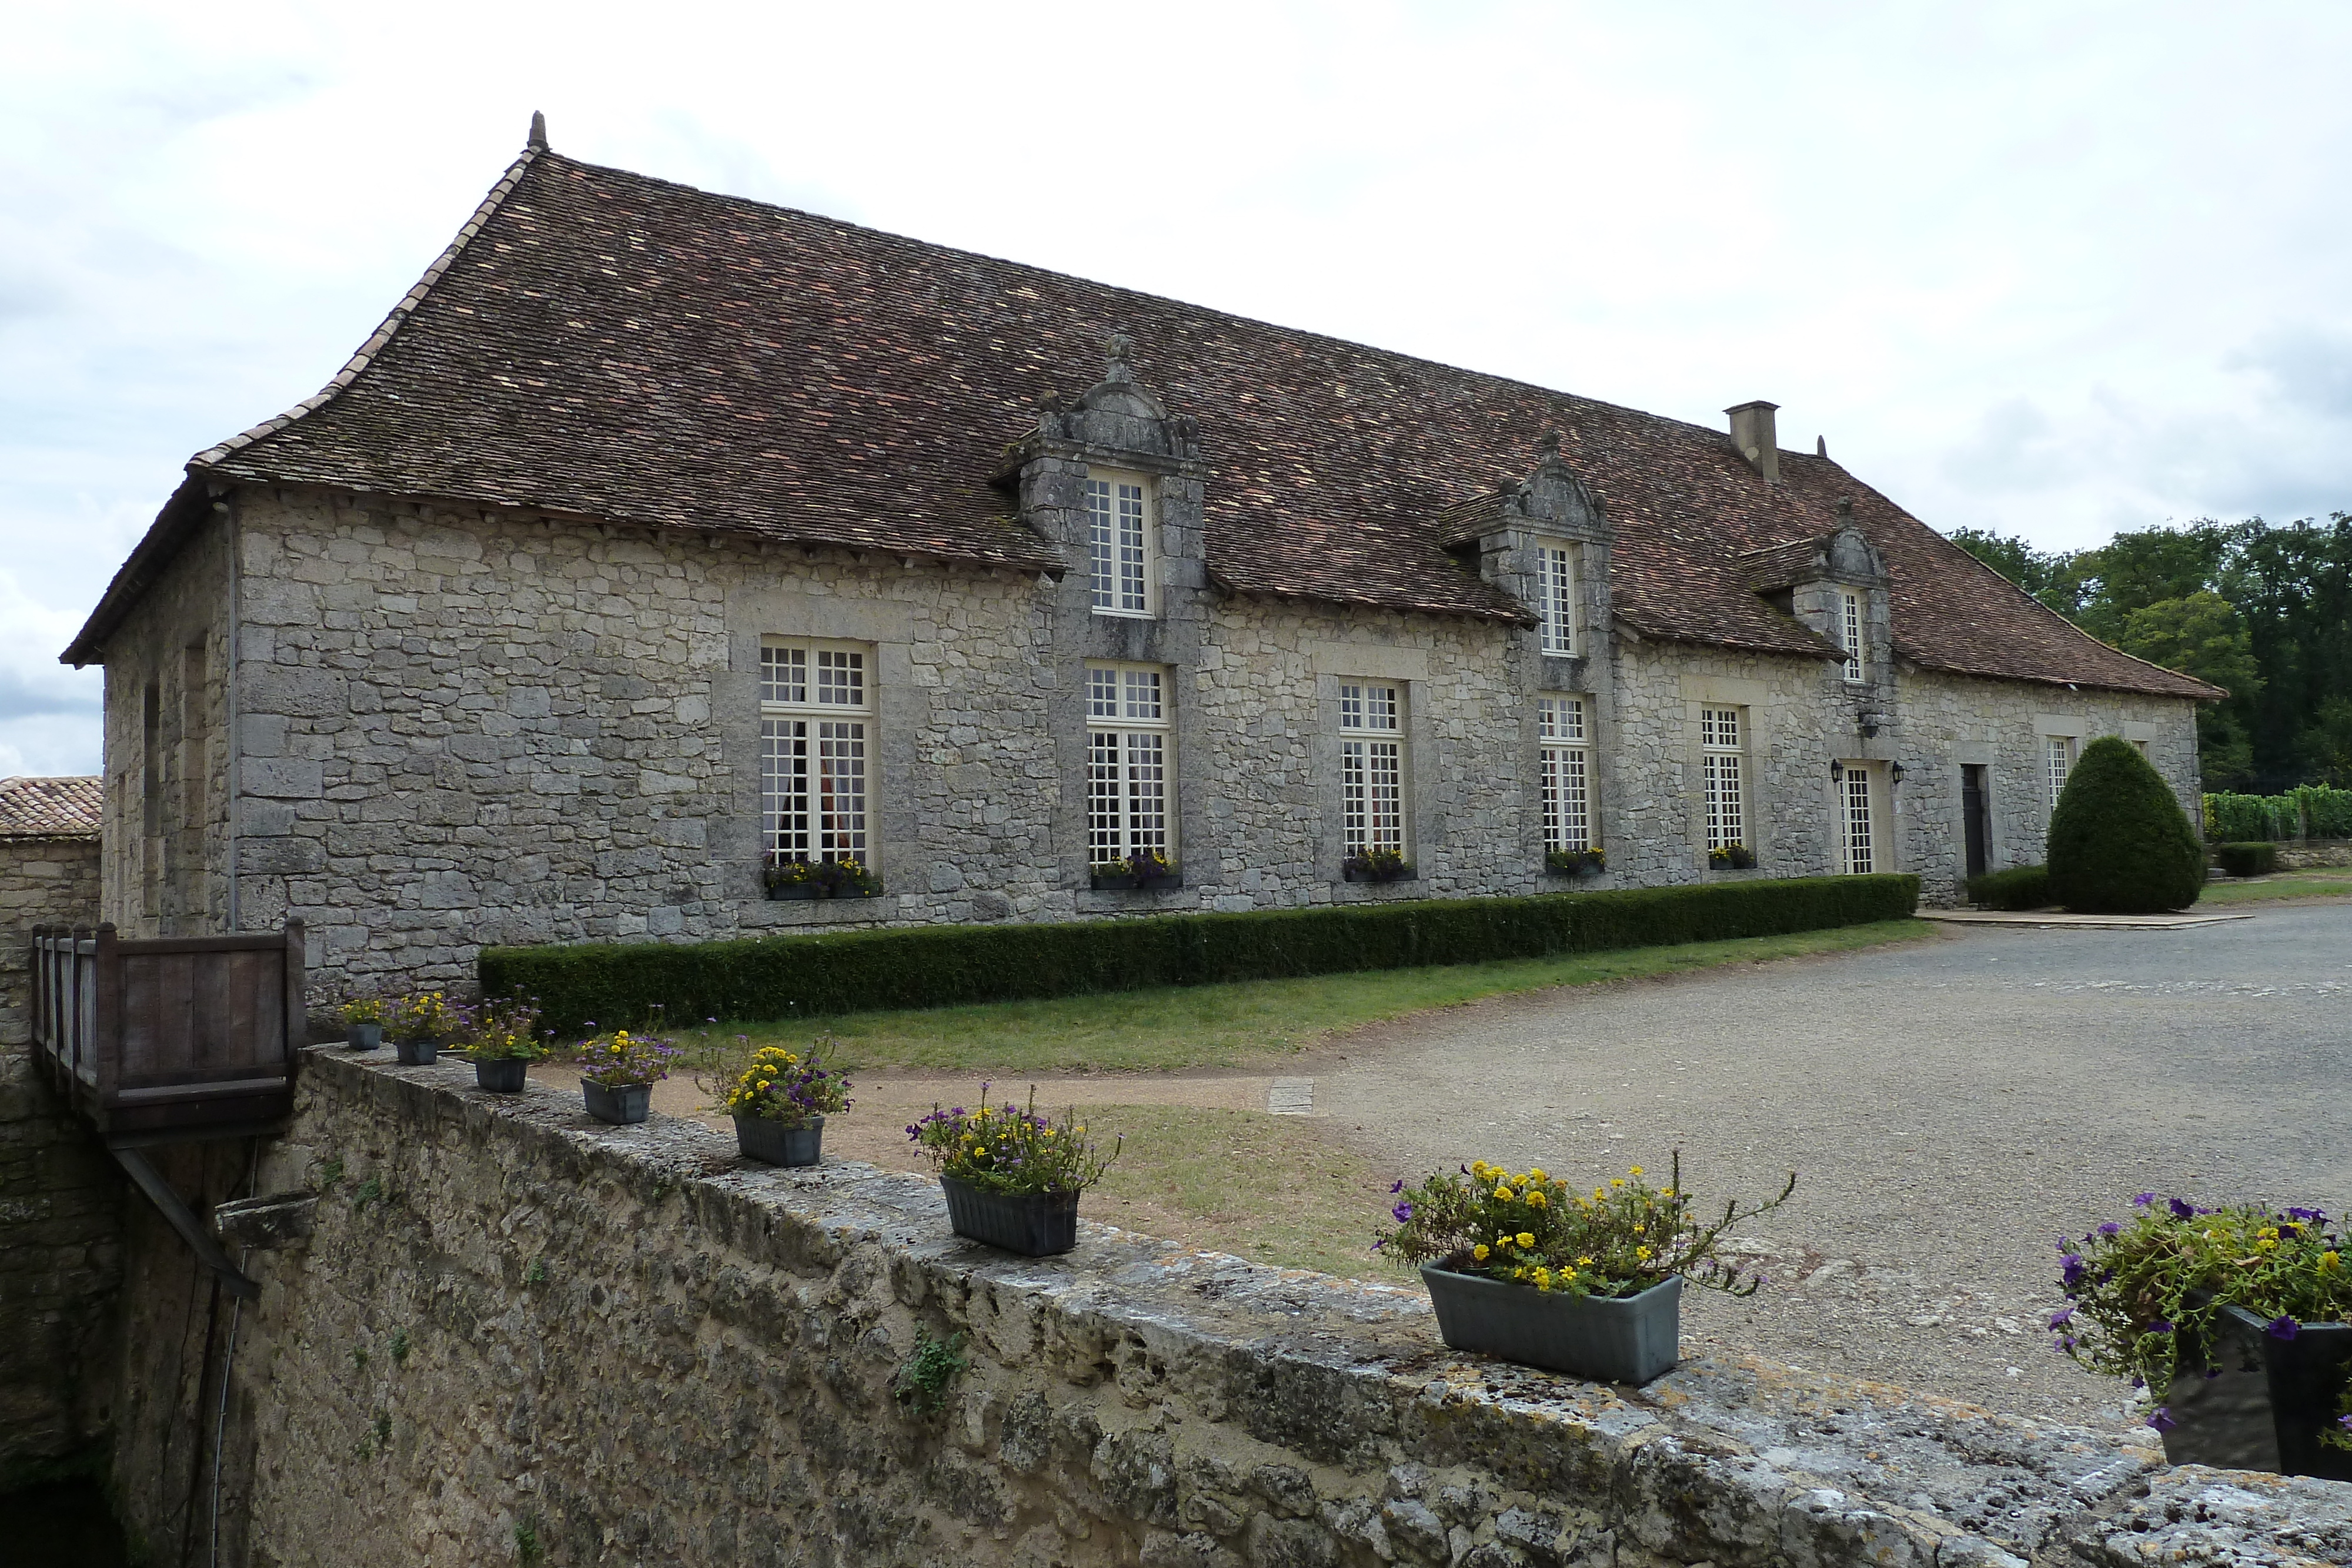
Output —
<point x="1974" y="814"/>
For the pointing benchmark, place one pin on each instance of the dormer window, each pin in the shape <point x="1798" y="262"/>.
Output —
<point x="1850" y="634"/>
<point x="1556" y="598"/>
<point x="1118" y="543"/>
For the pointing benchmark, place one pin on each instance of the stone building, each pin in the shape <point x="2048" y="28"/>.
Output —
<point x="60" y="1242"/>
<point x="657" y="532"/>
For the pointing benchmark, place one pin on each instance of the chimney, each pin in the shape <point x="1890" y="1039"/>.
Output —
<point x="1753" y="433"/>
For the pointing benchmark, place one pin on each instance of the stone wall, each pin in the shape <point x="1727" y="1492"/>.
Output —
<point x="458" y="727"/>
<point x="515" y="1335"/>
<point x="59" y="1195"/>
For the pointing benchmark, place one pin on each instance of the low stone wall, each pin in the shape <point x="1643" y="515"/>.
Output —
<point x="515" y="1335"/>
<point x="2314" y="853"/>
<point x="59" y="1194"/>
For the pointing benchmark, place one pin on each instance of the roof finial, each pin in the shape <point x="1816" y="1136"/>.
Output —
<point x="538" y="140"/>
<point x="1845" y="510"/>
<point x="1117" y="350"/>
<point x="1821" y="446"/>
<point x="1547" y="445"/>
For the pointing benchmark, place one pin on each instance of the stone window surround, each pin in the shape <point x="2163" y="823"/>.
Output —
<point x="1124" y="724"/>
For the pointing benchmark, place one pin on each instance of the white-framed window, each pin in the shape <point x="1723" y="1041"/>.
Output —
<point x="1118" y="543"/>
<point x="1566" y="764"/>
<point x="1850" y="634"/>
<point x="816" y="730"/>
<point x="1859" y="859"/>
<point x="1556" y="598"/>
<point x="2058" y="752"/>
<point x="1130" y="756"/>
<point x="1722" y="758"/>
<point x="1372" y="766"/>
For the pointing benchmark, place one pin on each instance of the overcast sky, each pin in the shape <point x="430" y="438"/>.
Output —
<point x="2050" y="269"/>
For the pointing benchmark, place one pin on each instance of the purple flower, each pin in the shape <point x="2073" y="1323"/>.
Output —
<point x="2161" y="1326"/>
<point x="2060" y="1317"/>
<point x="2183" y="1210"/>
<point x="2162" y="1420"/>
<point x="2075" y="1269"/>
<point x="1404" y="1212"/>
<point x="2280" y="1327"/>
<point x="2344" y="1422"/>
<point x="2109" y="1228"/>
<point x="2312" y="1215"/>
<point x="1397" y="1185"/>
<point x="2143" y="1200"/>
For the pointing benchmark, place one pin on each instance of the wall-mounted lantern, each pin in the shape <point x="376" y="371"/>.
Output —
<point x="1895" y="771"/>
<point x="1837" y="772"/>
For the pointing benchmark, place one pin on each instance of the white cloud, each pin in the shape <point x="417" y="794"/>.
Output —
<point x="2045" y="269"/>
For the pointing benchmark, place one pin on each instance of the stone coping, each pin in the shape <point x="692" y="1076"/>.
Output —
<point x="1737" y="1460"/>
<point x="2059" y="917"/>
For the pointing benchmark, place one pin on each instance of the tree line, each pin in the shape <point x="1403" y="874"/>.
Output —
<point x="2262" y="611"/>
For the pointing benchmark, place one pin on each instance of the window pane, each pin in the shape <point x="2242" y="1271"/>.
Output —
<point x="1147" y="792"/>
<point x="2062" y="762"/>
<point x="1851" y="626"/>
<point x="784" y="784"/>
<point x="1099" y="541"/>
<point x="1726" y="819"/>
<point x="1351" y="707"/>
<point x="840" y="806"/>
<point x="1566" y="812"/>
<point x="1132" y="594"/>
<point x="1102" y="693"/>
<point x="1105" y="823"/>
<point x="783" y="675"/>
<point x="840" y="678"/>
<point x="1555" y="601"/>
<point x="1857" y="821"/>
<point x="1384" y="795"/>
<point x="1354" y="816"/>
<point x="1143" y="695"/>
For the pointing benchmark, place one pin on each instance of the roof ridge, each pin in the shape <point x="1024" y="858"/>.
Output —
<point x="364" y="355"/>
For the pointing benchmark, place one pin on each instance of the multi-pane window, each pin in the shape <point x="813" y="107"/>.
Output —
<point x="1556" y="598"/>
<point x="1566" y="765"/>
<point x="1850" y="634"/>
<point x="2059" y="750"/>
<point x="1723" y="747"/>
<point x="1117" y="546"/>
<point x="1372" y="766"/>
<point x="816" y="717"/>
<point x="1858" y="859"/>
<point x="1129" y="749"/>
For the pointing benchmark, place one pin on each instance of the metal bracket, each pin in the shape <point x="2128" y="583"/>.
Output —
<point x="159" y="1193"/>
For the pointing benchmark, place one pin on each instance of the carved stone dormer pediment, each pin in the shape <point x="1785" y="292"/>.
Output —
<point x="1845" y="556"/>
<point x="1118" y="421"/>
<point x="1551" y="500"/>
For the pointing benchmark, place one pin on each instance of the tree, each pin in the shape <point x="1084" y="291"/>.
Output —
<point x="2119" y="842"/>
<point x="2049" y="577"/>
<point x="2202" y="635"/>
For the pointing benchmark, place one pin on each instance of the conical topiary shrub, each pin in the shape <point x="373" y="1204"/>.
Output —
<point x="2119" y="842"/>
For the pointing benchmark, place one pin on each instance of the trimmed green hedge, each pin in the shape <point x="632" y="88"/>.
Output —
<point x="938" y="966"/>
<point x="2247" y="860"/>
<point x="2308" y="811"/>
<point x="2119" y="842"/>
<point x="2019" y="887"/>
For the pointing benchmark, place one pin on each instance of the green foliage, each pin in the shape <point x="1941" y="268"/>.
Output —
<point x="926" y="966"/>
<point x="400" y="1347"/>
<point x="329" y="1173"/>
<point x="1532" y="1229"/>
<point x="537" y="1273"/>
<point x="528" y="1550"/>
<point x="2146" y="1292"/>
<point x="2314" y="811"/>
<point x="2119" y="842"/>
<point x="2327" y="814"/>
<point x="2050" y="577"/>
<point x="371" y="1191"/>
<point x="2019" y="887"/>
<point x="2247" y="859"/>
<point x="921" y="1385"/>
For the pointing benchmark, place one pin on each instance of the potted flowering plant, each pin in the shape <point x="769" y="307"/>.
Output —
<point x="780" y="1103"/>
<point x="1527" y="1267"/>
<point x="420" y="1024"/>
<point x="1370" y="864"/>
<point x="1575" y="863"/>
<point x="2237" y="1320"/>
<point x="618" y="1072"/>
<point x="1143" y="869"/>
<point x="1012" y="1177"/>
<point x="364" y="1020"/>
<point x="1733" y="856"/>
<point x="503" y="1041"/>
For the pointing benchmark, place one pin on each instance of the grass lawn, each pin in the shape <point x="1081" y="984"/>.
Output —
<point x="2284" y="884"/>
<point x="1248" y="1024"/>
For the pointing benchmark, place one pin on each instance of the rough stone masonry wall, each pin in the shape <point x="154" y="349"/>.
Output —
<point x="59" y="1195"/>
<point x="627" y="1347"/>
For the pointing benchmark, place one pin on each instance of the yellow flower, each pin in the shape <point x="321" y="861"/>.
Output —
<point x="1527" y="1239"/>
<point x="1482" y="1250"/>
<point x="1642" y="1253"/>
<point x="1587" y="1261"/>
<point x="1537" y="1174"/>
<point x="1503" y="1192"/>
<point x="1538" y="1200"/>
<point x="1616" y="1181"/>
<point x="2330" y="1261"/>
<point x="1543" y="1278"/>
<point x="982" y="1150"/>
<point x="1637" y="1170"/>
<point x="1478" y="1168"/>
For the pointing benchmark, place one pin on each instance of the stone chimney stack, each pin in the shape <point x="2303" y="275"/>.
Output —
<point x="1753" y="433"/>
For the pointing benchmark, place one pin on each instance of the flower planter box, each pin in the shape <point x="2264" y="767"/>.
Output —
<point x="784" y="890"/>
<point x="1631" y="1339"/>
<point x="1409" y="874"/>
<point x="767" y="1139"/>
<point x="2267" y="1403"/>
<point x="1127" y="881"/>
<point x="1034" y="1224"/>
<point x="416" y="1052"/>
<point x="364" y="1035"/>
<point x="619" y="1104"/>
<point x="502" y="1074"/>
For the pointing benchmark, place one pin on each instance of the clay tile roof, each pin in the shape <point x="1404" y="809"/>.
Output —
<point x="49" y="807"/>
<point x="600" y="343"/>
<point x="1785" y="565"/>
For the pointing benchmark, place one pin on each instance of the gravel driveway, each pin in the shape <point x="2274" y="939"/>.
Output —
<point x="1950" y="1107"/>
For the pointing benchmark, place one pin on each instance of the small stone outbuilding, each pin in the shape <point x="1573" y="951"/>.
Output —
<point x="657" y="534"/>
